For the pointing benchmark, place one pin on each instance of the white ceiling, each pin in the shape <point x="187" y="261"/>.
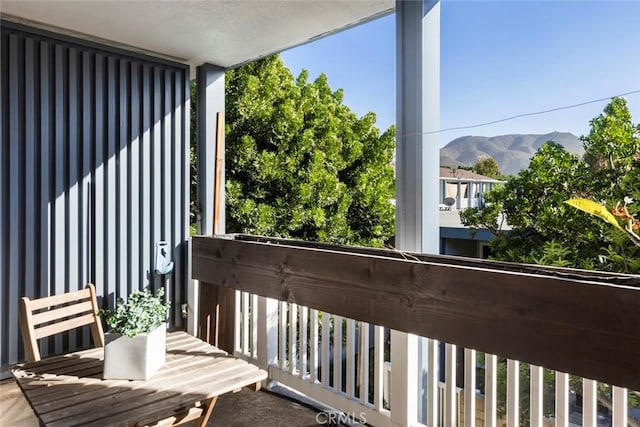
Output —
<point x="226" y="33"/>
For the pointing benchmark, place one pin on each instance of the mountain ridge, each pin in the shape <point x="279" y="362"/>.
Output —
<point x="512" y="152"/>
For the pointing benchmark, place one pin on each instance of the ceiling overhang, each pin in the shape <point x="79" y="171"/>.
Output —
<point x="219" y="32"/>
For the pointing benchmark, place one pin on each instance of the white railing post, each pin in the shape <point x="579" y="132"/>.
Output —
<point x="254" y="326"/>
<point x="450" y="394"/>
<point x="469" y="387"/>
<point x="620" y="410"/>
<point x="490" y="390"/>
<point x="313" y="345"/>
<point x="282" y="334"/>
<point x="589" y="403"/>
<point x="246" y="325"/>
<point x="267" y="351"/>
<point x="325" y="349"/>
<point x="293" y="338"/>
<point x="378" y="363"/>
<point x="337" y="354"/>
<point x="351" y="358"/>
<point x="536" y="394"/>
<point x="237" y="320"/>
<point x="562" y="399"/>
<point x="303" y="355"/>
<point x="433" y="382"/>
<point x="513" y="394"/>
<point x="404" y="378"/>
<point x="363" y="361"/>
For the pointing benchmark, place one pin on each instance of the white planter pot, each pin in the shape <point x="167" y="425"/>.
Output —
<point x="135" y="358"/>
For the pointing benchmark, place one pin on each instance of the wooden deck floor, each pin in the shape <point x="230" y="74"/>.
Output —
<point x="245" y="408"/>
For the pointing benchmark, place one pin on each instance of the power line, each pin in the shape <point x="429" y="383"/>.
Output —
<point x="525" y="114"/>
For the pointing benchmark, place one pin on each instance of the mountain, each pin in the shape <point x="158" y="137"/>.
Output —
<point x="512" y="152"/>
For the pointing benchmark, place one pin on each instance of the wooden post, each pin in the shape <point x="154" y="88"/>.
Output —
<point x="217" y="182"/>
<point x="217" y="304"/>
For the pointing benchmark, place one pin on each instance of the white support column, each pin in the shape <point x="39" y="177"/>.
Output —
<point x="210" y="81"/>
<point x="417" y="111"/>
<point x="417" y="172"/>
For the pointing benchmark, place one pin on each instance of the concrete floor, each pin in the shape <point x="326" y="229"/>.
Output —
<point x="246" y="408"/>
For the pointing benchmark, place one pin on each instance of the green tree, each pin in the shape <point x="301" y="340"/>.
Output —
<point x="488" y="166"/>
<point x="544" y="230"/>
<point x="301" y="164"/>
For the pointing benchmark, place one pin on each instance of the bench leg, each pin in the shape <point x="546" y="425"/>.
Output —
<point x="209" y="403"/>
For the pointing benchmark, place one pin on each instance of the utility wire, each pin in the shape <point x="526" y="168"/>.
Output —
<point x="524" y="115"/>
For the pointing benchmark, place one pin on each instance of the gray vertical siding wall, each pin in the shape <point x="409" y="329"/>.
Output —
<point x="93" y="172"/>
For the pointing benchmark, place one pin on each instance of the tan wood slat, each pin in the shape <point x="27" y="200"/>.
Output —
<point x="54" y="300"/>
<point x="126" y="406"/>
<point x="75" y="368"/>
<point x="169" y="375"/>
<point x="62" y="312"/>
<point x="58" y="362"/>
<point x="194" y="372"/>
<point x="61" y="391"/>
<point x="65" y="325"/>
<point x="32" y="352"/>
<point x="165" y="406"/>
<point x="225" y="386"/>
<point x="94" y="391"/>
<point x="96" y="327"/>
<point x="176" y="420"/>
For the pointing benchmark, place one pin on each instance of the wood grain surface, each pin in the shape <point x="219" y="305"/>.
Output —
<point x="571" y="321"/>
<point x="69" y="390"/>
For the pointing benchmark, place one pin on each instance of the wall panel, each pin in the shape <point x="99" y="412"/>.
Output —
<point x="93" y="172"/>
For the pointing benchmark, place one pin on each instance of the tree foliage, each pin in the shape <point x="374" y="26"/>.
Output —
<point x="301" y="164"/>
<point x="543" y="229"/>
<point x="488" y="166"/>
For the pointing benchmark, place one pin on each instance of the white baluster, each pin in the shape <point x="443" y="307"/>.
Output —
<point x="469" y="387"/>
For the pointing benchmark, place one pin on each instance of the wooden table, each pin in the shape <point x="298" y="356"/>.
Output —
<point x="69" y="390"/>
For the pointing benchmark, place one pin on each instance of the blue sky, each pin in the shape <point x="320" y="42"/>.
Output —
<point x="498" y="59"/>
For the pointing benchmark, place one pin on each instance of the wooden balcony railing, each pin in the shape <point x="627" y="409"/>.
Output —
<point x="571" y="321"/>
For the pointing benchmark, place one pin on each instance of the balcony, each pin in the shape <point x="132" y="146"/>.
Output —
<point x="461" y="189"/>
<point x="302" y="307"/>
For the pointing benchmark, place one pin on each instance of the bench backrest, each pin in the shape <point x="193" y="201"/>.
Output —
<point x="43" y="317"/>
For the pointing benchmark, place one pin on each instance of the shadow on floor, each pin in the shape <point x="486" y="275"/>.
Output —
<point x="248" y="408"/>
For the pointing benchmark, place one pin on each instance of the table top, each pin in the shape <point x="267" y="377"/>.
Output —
<point x="69" y="390"/>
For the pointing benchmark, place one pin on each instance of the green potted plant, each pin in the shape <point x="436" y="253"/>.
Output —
<point x="136" y="342"/>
